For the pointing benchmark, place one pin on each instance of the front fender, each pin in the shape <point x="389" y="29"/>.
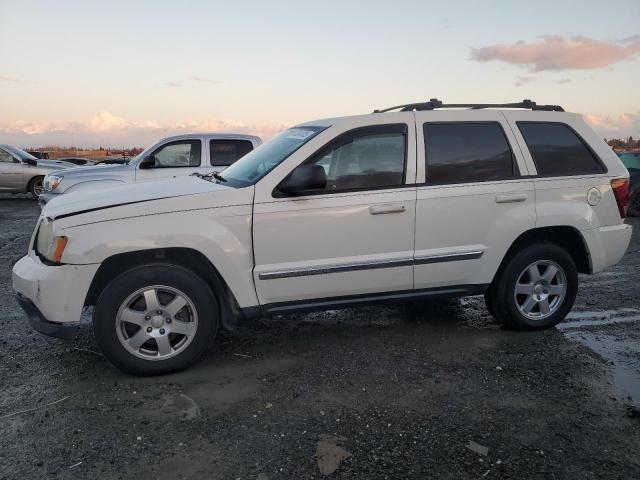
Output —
<point x="223" y="235"/>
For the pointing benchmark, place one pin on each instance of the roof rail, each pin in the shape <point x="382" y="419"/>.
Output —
<point x="434" y="103"/>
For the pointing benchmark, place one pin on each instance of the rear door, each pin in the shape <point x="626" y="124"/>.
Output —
<point x="474" y="197"/>
<point x="174" y="158"/>
<point x="353" y="238"/>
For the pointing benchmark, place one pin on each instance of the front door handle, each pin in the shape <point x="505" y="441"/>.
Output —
<point x="511" y="197"/>
<point x="386" y="208"/>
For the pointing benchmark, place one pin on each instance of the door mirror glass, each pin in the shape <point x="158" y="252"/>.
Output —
<point x="148" y="162"/>
<point x="30" y="161"/>
<point x="303" y="179"/>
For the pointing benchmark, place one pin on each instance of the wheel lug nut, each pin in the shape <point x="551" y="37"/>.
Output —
<point x="168" y="320"/>
<point x="147" y="317"/>
<point x="159" y="312"/>
<point x="162" y="331"/>
<point x="149" y="329"/>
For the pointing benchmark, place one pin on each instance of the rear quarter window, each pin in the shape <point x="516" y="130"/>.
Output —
<point x="225" y="152"/>
<point x="557" y="150"/>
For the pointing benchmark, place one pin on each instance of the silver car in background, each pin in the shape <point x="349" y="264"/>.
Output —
<point x="199" y="153"/>
<point x="21" y="172"/>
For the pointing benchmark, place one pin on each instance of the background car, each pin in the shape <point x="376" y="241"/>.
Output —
<point x="180" y="155"/>
<point x="21" y="172"/>
<point x="631" y="160"/>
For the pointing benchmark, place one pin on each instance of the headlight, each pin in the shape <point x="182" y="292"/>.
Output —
<point x="48" y="245"/>
<point x="51" y="182"/>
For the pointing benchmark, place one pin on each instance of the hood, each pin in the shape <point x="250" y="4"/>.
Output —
<point x="95" y="170"/>
<point x="81" y="201"/>
<point x="52" y="165"/>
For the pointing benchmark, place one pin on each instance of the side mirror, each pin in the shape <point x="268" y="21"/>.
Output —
<point x="304" y="178"/>
<point x="148" y="162"/>
<point x="30" y="161"/>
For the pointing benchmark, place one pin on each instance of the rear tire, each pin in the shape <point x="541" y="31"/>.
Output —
<point x="634" y="204"/>
<point x="36" y="187"/>
<point x="536" y="289"/>
<point x="155" y="319"/>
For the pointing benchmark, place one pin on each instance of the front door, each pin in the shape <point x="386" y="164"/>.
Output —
<point x="353" y="238"/>
<point x="172" y="159"/>
<point x="11" y="172"/>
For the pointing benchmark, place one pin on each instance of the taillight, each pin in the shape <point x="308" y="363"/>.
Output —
<point x="620" y="187"/>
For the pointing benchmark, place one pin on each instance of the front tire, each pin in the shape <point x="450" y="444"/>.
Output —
<point x="155" y="319"/>
<point x="36" y="187"/>
<point x="536" y="289"/>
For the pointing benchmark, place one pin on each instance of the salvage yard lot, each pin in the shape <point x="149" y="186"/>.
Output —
<point x="377" y="392"/>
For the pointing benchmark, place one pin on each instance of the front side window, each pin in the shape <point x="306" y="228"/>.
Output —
<point x="5" y="157"/>
<point x="459" y="152"/>
<point x="257" y="163"/>
<point x="225" y="152"/>
<point x="182" y="153"/>
<point x="365" y="158"/>
<point x="557" y="150"/>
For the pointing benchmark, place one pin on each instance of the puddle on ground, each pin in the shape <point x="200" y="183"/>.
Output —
<point x="612" y="345"/>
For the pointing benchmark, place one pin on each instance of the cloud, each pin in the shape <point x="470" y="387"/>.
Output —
<point x="620" y="126"/>
<point x="522" y="80"/>
<point x="563" y="81"/>
<point x="555" y="52"/>
<point x="9" y="79"/>
<point x="204" y="80"/>
<point x="173" y="84"/>
<point x="105" y="128"/>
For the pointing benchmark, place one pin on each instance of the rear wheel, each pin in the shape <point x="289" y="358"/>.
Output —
<point x="36" y="187"/>
<point x="634" y="204"/>
<point x="536" y="289"/>
<point x="155" y="319"/>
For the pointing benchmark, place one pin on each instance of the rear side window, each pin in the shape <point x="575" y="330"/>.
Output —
<point x="557" y="150"/>
<point x="460" y="152"/>
<point x="225" y="152"/>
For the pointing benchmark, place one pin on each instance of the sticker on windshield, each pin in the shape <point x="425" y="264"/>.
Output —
<point x="299" y="133"/>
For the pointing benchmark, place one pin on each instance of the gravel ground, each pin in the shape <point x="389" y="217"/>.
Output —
<point x="379" y="392"/>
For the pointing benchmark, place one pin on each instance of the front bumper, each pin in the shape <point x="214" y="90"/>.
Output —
<point x="45" y="198"/>
<point x="40" y="324"/>
<point x="57" y="292"/>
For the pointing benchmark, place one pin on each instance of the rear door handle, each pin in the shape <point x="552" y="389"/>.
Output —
<point x="387" y="208"/>
<point x="511" y="197"/>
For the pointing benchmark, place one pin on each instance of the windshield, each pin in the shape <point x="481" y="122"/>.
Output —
<point x="21" y="154"/>
<point x="257" y="163"/>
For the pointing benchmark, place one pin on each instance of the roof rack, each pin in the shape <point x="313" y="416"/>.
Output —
<point x="434" y="103"/>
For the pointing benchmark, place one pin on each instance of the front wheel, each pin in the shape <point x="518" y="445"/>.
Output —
<point x="536" y="289"/>
<point x="36" y="187"/>
<point x="155" y="319"/>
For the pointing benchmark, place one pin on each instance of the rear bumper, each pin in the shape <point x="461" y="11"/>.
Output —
<point x="607" y="245"/>
<point x="40" y="324"/>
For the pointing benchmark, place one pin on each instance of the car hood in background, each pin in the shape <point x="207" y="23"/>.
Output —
<point x="54" y="164"/>
<point x="131" y="193"/>
<point x="98" y="171"/>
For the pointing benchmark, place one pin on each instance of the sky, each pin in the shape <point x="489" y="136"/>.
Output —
<point x="126" y="73"/>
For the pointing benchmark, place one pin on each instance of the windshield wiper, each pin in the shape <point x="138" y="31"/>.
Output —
<point x="218" y="177"/>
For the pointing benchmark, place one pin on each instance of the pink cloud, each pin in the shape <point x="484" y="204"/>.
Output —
<point x="104" y="127"/>
<point x="620" y="126"/>
<point x="555" y="52"/>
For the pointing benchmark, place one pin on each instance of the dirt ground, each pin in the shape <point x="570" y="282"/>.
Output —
<point x="427" y="390"/>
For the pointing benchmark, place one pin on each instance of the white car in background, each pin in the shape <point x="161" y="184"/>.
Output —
<point x="181" y="155"/>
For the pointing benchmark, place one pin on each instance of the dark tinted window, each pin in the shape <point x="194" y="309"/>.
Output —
<point x="466" y="152"/>
<point x="557" y="150"/>
<point x="226" y="152"/>
<point x="367" y="158"/>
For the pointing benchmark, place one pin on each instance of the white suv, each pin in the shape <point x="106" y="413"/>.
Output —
<point x="510" y="201"/>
